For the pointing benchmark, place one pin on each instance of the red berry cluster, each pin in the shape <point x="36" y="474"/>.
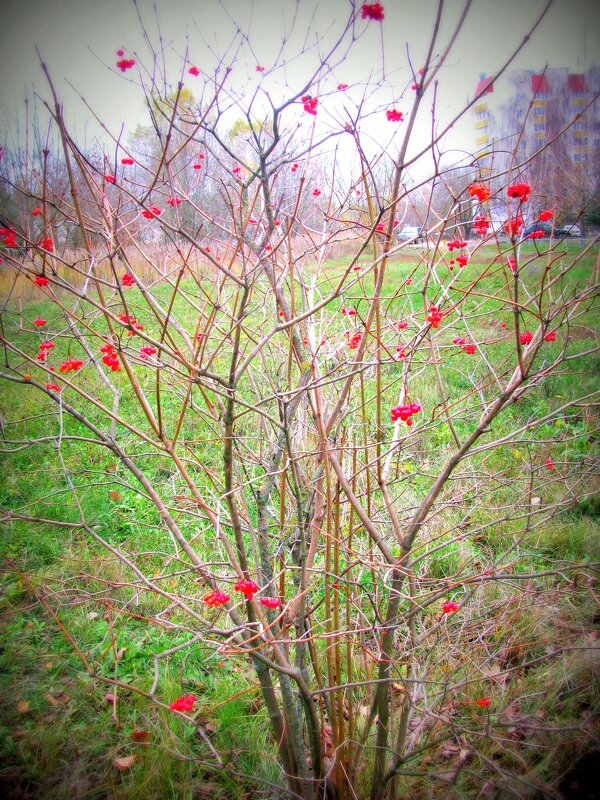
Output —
<point x="373" y="11"/>
<point x="147" y="350"/>
<point x="460" y="260"/>
<point x="469" y="349"/>
<point x="310" y="104"/>
<point x="124" y="63"/>
<point x="132" y="322"/>
<point x="479" y="191"/>
<point x="449" y="607"/>
<point x="393" y="115"/>
<point x="456" y="244"/>
<point x="405" y="413"/>
<point x="549" y="464"/>
<point x="435" y="316"/>
<point x="71" y="365"/>
<point x="536" y="235"/>
<point x="127" y="281"/>
<point x="9" y="237"/>
<point x="127" y="161"/>
<point x="37" y="212"/>
<point x="194" y="71"/>
<point x="348" y="312"/>
<point x="246" y="587"/>
<point x="43" y="352"/>
<point x="110" y="357"/>
<point x="270" y="602"/>
<point x="481" y="224"/>
<point x="519" y="191"/>
<point x="39" y="323"/>
<point x="185" y="703"/>
<point x="354" y="340"/>
<point x="545" y="216"/>
<point x="152" y="212"/>
<point x="47" y="243"/>
<point x="295" y="167"/>
<point x="526" y="337"/>
<point x="174" y="201"/>
<point x="513" y="226"/>
<point x="216" y="598"/>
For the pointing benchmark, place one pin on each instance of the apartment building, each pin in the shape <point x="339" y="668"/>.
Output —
<point x="543" y="125"/>
<point x="539" y="109"/>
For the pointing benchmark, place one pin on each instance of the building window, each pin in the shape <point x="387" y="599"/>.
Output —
<point x="539" y="126"/>
<point x="580" y="142"/>
<point x="596" y="142"/>
<point x="579" y="125"/>
<point x="579" y="156"/>
<point x="539" y="111"/>
<point x="541" y="95"/>
<point x="578" y="95"/>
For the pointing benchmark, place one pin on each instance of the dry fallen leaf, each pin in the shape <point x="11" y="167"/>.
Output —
<point x="492" y="670"/>
<point x="52" y="700"/>
<point x="124" y="763"/>
<point x="23" y="706"/>
<point x="448" y="750"/>
<point x="140" y="736"/>
<point x="205" y="790"/>
<point x="115" y="496"/>
<point x="211" y="726"/>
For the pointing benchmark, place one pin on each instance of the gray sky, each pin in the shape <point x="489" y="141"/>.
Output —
<point x="78" y="40"/>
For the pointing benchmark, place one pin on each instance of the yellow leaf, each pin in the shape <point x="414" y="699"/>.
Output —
<point x="23" y="706"/>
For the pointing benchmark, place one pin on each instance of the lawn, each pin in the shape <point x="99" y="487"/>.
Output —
<point x="85" y="687"/>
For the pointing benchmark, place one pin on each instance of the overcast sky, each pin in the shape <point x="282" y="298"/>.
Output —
<point x="78" y="40"/>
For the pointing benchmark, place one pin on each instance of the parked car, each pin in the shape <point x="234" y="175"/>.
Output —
<point x="412" y="233"/>
<point x="544" y="227"/>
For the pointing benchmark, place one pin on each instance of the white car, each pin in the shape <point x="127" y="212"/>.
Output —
<point x="411" y="233"/>
<point x="572" y="230"/>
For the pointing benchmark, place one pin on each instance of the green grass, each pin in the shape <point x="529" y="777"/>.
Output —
<point x="68" y="745"/>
